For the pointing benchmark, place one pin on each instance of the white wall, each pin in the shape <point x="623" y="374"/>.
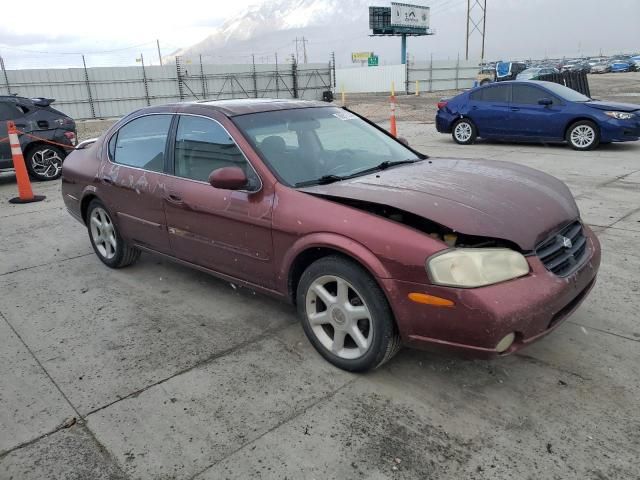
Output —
<point x="431" y="77"/>
<point x="370" y="79"/>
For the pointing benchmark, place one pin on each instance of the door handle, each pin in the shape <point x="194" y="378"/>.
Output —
<point x="475" y="107"/>
<point x="515" y="109"/>
<point x="107" y="180"/>
<point x="173" y="198"/>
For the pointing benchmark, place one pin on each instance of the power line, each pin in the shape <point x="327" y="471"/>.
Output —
<point x="97" y="52"/>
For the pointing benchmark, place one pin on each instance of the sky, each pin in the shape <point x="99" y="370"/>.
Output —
<point x="116" y="33"/>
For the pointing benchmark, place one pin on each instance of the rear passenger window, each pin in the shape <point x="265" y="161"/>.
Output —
<point x="496" y="94"/>
<point x="141" y="143"/>
<point x="202" y="146"/>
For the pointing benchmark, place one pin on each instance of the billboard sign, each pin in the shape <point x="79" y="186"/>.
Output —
<point x="360" y="56"/>
<point x="404" y="15"/>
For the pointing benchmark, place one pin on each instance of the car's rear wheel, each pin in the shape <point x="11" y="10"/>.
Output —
<point x="464" y="132"/>
<point x="109" y="246"/>
<point x="345" y="315"/>
<point x="44" y="162"/>
<point x="583" y="135"/>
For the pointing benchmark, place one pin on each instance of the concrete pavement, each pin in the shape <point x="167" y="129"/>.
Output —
<point x="170" y="373"/>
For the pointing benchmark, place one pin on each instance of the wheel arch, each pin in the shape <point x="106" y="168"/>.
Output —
<point x="84" y="203"/>
<point x="580" y="119"/>
<point x="310" y="249"/>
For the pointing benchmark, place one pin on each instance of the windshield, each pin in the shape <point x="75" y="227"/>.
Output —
<point x="566" y="93"/>
<point x="308" y="144"/>
<point x="530" y="71"/>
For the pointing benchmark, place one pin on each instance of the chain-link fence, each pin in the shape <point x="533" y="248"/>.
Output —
<point x="85" y="92"/>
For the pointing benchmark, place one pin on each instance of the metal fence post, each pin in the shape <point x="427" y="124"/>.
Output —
<point x="277" y="78"/>
<point x="86" y="81"/>
<point x="253" y="74"/>
<point x="179" y="74"/>
<point x="6" y="78"/>
<point x="333" y="70"/>
<point x="203" y="80"/>
<point x="407" y="67"/>
<point x="144" y="82"/>
<point x="431" y="74"/>
<point x="294" y="75"/>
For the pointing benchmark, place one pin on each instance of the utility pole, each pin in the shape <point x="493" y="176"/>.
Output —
<point x="476" y="22"/>
<point x="304" y="48"/>
<point x="4" y="74"/>
<point x="159" y="54"/>
<point x="297" y="56"/>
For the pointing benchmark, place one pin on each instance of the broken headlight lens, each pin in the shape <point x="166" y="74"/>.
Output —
<point x="476" y="267"/>
<point x="620" y="115"/>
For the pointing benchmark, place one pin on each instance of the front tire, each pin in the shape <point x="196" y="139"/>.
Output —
<point x="464" y="132"/>
<point x="583" y="135"/>
<point x="44" y="162"/>
<point x="345" y="315"/>
<point x="107" y="243"/>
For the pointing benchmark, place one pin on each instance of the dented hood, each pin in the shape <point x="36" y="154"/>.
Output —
<point x="476" y="197"/>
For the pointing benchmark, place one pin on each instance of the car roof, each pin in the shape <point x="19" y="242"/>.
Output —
<point x="243" y="106"/>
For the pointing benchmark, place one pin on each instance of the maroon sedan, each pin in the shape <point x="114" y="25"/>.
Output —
<point x="376" y="244"/>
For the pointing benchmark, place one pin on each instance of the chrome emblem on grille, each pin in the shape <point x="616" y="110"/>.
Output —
<point x="566" y="242"/>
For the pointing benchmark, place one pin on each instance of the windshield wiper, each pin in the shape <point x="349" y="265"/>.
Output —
<point x="323" y="180"/>
<point x="381" y="166"/>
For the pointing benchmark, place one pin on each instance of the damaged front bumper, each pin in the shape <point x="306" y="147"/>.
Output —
<point x="530" y="307"/>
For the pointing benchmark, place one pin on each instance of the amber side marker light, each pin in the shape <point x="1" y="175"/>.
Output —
<point x="430" y="300"/>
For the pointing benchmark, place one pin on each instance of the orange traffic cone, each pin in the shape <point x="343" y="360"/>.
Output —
<point x="24" y="184"/>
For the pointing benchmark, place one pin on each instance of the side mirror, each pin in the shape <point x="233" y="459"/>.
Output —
<point x="545" y="101"/>
<point x="228" y="178"/>
<point x="403" y="141"/>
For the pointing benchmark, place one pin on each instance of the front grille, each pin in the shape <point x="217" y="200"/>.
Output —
<point x="564" y="252"/>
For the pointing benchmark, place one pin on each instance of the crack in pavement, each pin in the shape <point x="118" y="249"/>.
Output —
<point x="604" y="332"/>
<point x="211" y="358"/>
<point x="79" y="417"/>
<point x="46" y="264"/>
<point x="284" y="421"/>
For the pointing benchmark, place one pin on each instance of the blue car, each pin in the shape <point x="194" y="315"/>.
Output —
<point x="536" y="111"/>
<point x="620" y="66"/>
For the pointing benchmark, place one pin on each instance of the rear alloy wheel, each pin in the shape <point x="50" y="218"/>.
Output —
<point x="44" y="162"/>
<point x="346" y="316"/>
<point x="583" y="135"/>
<point x="464" y="132"/>
<point x="105" y="239"/>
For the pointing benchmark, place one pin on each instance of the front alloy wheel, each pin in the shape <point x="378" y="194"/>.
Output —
<point x="346" y="315"/>
<point x="339" y="318"/>
<point x="583" y="135"/>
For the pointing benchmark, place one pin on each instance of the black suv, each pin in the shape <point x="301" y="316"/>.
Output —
<point x="36" y="117"/>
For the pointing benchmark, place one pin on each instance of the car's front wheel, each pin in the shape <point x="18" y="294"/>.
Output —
<point x="345" y="315"/>
<point x="44" y="162"/>
<point x="109" y="246"/>
<point x="583" y="135"/>
<point x="464" y="132"/>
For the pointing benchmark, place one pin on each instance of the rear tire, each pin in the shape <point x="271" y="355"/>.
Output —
<point x="44" y="162"/>
<point x="464" y="132"/>
<point x="107" y="243"/>
<point x="583" y="135"/>
<point x="345" y="315"/>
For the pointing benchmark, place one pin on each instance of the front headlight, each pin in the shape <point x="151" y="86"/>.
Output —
<point x="476" y="267"/>
<point x="620" y="115"/>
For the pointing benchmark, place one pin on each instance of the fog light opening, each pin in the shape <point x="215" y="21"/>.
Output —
<point x="505" y="343"/>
